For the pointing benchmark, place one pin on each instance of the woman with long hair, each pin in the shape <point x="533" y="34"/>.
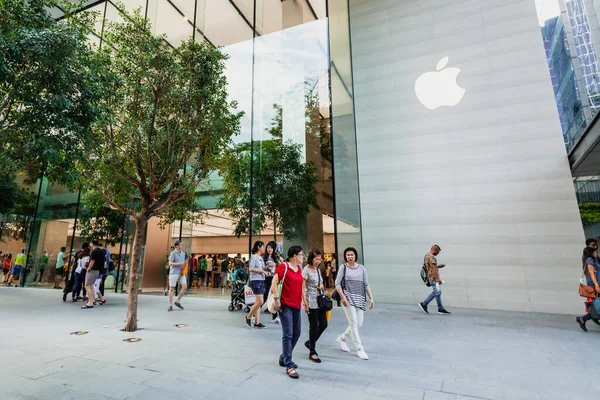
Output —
<point x="352" y="284"/>
<point x="590" y="271"/>
<point x="257" y="283"/>
<point x="312" y="287"/>
<point x="272" y="260"/>
<point x="289" y="301"/>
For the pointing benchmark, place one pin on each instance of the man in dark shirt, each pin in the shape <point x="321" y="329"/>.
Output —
<point x="96" y="265"/>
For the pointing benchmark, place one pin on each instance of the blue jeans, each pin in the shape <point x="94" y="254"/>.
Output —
<point x="79" y="280"/>
<point x="436" y="293"/>
<point x="291" y="327"/>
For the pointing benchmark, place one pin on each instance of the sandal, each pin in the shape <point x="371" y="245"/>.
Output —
<point x="291" y="372"/>
<point x="86" y="307"/>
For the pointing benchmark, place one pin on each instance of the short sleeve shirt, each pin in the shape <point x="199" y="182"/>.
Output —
<point x="98" y="257"/>
<point x="313" y="278"/>
<point x="60" y="260"/>
<point x="20" y="259"/>
<point x="430" y="259"/>
<point x="177" y="257"/>
<point x="291" y="293"/>
<point x="256" y="262"/>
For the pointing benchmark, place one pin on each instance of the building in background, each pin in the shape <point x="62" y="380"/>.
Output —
<point x="566" y="93"/>
<point x="444" y="129"/>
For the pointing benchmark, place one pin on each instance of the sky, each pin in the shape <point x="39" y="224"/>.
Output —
<point x="547" y="9"/>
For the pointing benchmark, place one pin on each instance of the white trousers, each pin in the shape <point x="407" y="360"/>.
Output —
<point x="355" y="318"/>
<point x="97" y="286"/>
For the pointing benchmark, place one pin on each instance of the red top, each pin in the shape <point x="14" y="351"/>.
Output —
<point x="291" y="293"/>
<point x="6" y="263"/>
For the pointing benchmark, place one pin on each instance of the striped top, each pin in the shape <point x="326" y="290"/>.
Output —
<point x="354" y="283"/>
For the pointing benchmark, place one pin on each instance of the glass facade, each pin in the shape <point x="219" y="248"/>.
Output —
<point x="573" y="62"/>
<point x="289" y="69"/>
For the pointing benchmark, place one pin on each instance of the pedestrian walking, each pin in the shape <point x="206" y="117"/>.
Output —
<point x="257" y="283"/>
<point x="41" y="268"/>
<point x="17" y="269"/>
<point x="272" y="260"/>
<point x="60" y="268"/>
<point x="433" y="276"/>
<point x="83" y="261"/>
<point x="312" y="287"/>
<point x="6" y="264"/>
<point x="95" y="266"/>
<point x="289" y="301"/>
<point x="590" y="271"/>
<point x="176" y="262"/>
<point x="352" y="284"/>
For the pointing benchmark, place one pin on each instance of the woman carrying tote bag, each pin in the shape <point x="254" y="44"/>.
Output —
<point x="590" y="272"/>
<point x="288" y="299"/>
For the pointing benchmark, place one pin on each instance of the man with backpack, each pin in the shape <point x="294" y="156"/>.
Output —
<point x="433" y="276"/>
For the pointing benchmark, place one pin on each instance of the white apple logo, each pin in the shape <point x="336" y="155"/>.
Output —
<point x="439" y="88"/>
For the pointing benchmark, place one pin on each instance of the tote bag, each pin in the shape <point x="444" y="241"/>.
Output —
<point x="271" y="299"/>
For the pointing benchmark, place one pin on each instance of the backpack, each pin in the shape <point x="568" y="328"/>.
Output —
<point x="424" y="273"/>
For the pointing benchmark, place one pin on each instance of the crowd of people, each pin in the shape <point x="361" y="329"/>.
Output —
<point x="293" y="289"/>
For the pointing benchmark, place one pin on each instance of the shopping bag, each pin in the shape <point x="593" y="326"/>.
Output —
<point x="249" y="297"/>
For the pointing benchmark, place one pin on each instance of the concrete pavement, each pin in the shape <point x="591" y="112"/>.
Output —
<point x="470" y="354"/>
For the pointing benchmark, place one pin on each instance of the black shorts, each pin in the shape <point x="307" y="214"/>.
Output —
<point x="60" y="271"/>
<point x="258" y="287"/>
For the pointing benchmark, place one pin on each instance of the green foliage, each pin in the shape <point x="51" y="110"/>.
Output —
<point x="98" y="221"/>
<point x="17" y="205"/>
<point x="284" y="188"/>
<point x="48" y="89"/>
<point x="590" y="213"/>
<point x="163" y="109"/>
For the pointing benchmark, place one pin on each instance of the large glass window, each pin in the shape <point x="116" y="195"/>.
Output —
<point x="279" y="73"/>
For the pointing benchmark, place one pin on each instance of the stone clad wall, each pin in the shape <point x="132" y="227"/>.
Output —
<point x="488" y="179"/>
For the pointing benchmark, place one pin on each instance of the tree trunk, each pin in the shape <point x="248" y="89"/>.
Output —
<point x="134" y="273"/>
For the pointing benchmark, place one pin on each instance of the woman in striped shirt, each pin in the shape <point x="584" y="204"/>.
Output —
<point x="352" y="283"/>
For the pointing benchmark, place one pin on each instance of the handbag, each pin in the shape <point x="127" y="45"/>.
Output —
<point x="271" y="300"/>
<point x="323" y="301"/>
<point x="586" y="290"/>
<point x="336" y="296"/>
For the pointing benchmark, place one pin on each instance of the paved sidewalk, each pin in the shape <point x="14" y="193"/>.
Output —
<point x="470" y="354"/>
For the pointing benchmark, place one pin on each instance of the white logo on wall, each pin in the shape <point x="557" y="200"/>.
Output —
<point x="439" y="88"/>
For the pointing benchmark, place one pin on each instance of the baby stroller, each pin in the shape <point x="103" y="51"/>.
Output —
<point x="238" y="300"/>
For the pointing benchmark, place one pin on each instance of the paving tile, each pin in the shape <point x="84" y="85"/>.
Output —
<point x="472" y="355"/>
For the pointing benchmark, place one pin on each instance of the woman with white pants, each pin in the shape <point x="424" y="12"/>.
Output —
<point x="352" y="284"/>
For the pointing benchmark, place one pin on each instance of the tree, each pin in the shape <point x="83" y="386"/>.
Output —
<point x="48" y="89"/>
<point x="17" y="205"/>
<point x="99" y="221"/>
<point x="283" y="187"/>
<point x="165" y="121"/>
<point x="590" y="213"/>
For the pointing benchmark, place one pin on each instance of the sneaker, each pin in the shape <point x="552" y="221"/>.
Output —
<point x="581" y="323"/>
<point x="248" y="321"/>
<point x="362" y="355"/>
<point x="443" y="311"/>
<point x="170" y="308"/>
<point x="423" y="307"/>
<point x="342" y="344"/>
<point x="260" y="325"/>
<point x="276" y="321"/>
